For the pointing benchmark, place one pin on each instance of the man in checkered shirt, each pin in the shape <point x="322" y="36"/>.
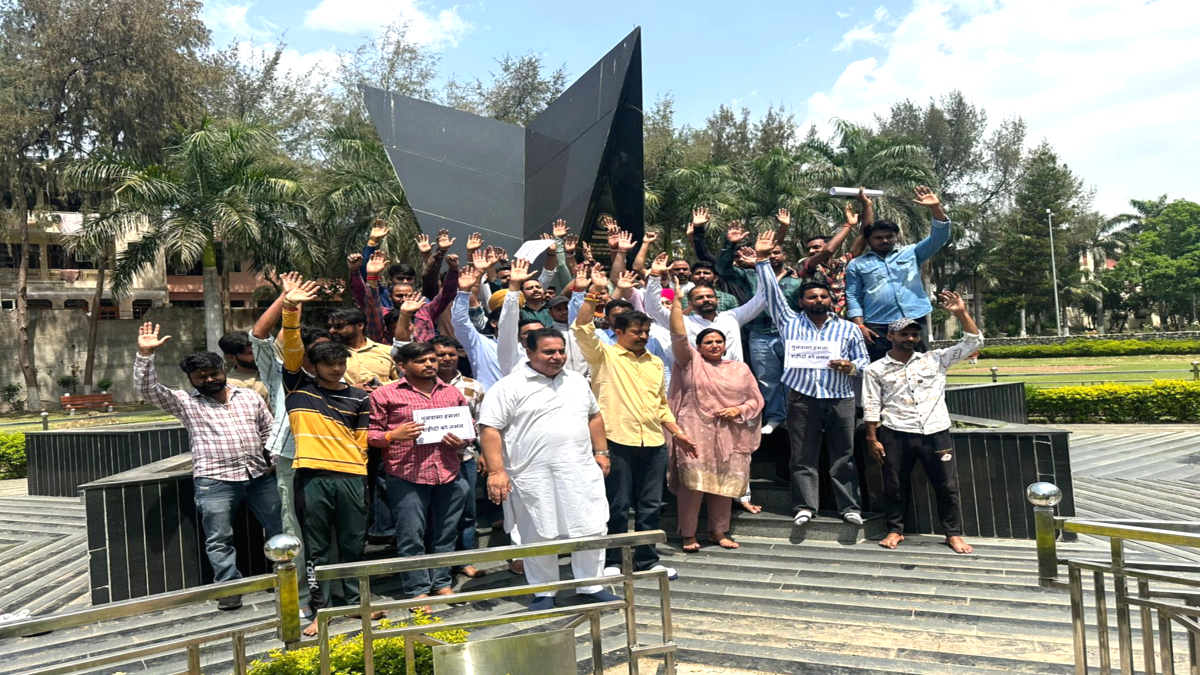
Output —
<point x="228" y="428"/>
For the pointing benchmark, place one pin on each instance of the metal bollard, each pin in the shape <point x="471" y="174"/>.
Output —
<point x="994" y="369"/>
<point x="1044" y="497"/>
<point x="1196" y="371"/>
<point x="283" y="549"/>
<point x="45" y="421"/>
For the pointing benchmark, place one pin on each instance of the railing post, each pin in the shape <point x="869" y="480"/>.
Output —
<point x="1044" y="497"/>
<point x="994" y="370"/>
<point x="283" y="549"/>
<point x="46" y="418"/>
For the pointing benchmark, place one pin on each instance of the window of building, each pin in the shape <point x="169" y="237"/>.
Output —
<point x="39" y="304"/>
<point x="175" y="268"/>
<point x="35" y="256"/>
<point x="76" y="304"/>
<point x="61" y="259"/>
<point x="109" y="310"/>
<point x="187" y="303"/>
<point x="9" y="255"/>
<point x="237" y="304"/>
<point x="140" y="307"/>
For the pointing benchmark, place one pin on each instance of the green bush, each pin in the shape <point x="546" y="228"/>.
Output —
<point x="12" y="456"/>
<point x="11" y="394"/>
<point x="1083" y="347"/>
<point x="1162" y="401"/>
<point x="346" y="654"/>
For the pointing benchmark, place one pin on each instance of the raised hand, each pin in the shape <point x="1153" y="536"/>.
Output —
<point x="520" y="273"/>
<point x="745" y="255"/>
<point x="649" y="237"/>
<point x="379" y="229"/>
<point x="659" y="266"/>
<point x="452" y="261"/>
<point x="625" y="241"/>
<point x="587" y="252"/>
<point x="627" y="281"/>
<point x="599" y="278"/>
<point x="482" y="261"/>
<point x="354" y="262"/>
<point x="783" y="216"/>
<point x="614" y="232"/>
<point x="583" y="275"/>
<point x="699" y="217"/>
<point x="474" y="242"/>
<point x="570" y="243"/>
<point x="501" y="254"/>
<point x="765" y="243"/>
<point x="735" y="233"/>
<point x="851" y="216"/>
<point x="560" y="228"/>
<point x="423" y="245"/>
<point x="306" y="292"/>
<point x="412" y="303"/>
<point x="862" y="196"/>
<point x="553" y="247"/>
<point x="148" y="339"/>
<point x="926" y="197"/>
<point x="377" y="264"/>
<point x="290" y="280"/>
<point x="444" y="240"/>
<point x="952" y="302"/>
<point x="468" y="277"/>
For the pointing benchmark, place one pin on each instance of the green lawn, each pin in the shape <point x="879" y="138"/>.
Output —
<point x="1075" y="370"/>
<point x="59" y="420"/>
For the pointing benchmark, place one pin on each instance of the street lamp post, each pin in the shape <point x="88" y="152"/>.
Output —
<point x="1054" y="273"/>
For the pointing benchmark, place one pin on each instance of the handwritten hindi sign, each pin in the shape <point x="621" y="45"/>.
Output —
<point x="530" y="250"/>
<point x="441" y="421"/>
<point x="811" y="353"/>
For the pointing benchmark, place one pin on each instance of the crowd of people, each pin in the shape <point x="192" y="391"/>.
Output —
<point x="577" y="393"/>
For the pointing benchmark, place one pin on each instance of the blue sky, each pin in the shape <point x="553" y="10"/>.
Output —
<point x="1113" y="84"/>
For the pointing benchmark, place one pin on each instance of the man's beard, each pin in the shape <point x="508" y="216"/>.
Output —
<point x="210" y="388"/>
<point x="818" y="309"/>
<point x="244" y="365"/>
<point x="339" y="338"/>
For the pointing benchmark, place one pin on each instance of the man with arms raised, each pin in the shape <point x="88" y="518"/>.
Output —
<point x="546" y="453"/>
<point x="904" y="407"/>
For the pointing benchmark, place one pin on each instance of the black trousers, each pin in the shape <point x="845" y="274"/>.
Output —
<point x="810" y="419"/>
<point x="880" y="347"/>
<point x="636" y="479"/>
<point x="935" y="452"/>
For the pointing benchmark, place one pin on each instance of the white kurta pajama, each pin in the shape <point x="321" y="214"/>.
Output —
<point x="558" y="489"/>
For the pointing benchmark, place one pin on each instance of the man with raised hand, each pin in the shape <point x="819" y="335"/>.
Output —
<point x="821" y="402"/>
<point x="546" y="453"/>
<point x="904" y="407"/>
<point x="884" y="284"/>
<point x="227" y="429"/>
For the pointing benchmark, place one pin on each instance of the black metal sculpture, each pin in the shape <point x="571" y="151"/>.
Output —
<point x="580" y="158"/>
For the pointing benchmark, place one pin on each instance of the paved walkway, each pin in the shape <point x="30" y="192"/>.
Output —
<point x="43" y="552"/>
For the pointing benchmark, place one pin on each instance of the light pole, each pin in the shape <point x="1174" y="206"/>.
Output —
<point x="1054" y="273"/>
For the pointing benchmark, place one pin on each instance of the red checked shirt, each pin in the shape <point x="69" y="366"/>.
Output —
<point x="392" y="405"/>
<point x="227" y="439"/>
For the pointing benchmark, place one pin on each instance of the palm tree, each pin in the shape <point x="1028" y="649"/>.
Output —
<point x="782" y="179"/>
<point x="1144" y="209"/>
<point x="222" y="182"/>
<point x="671" y="197"/>
<point x="858" y="156"/>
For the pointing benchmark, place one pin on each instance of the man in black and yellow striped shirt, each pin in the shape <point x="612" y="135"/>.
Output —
<point x="329" y="421"/>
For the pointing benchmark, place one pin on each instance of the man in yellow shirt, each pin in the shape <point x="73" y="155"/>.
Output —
<point x="633" y="402"/>
<point x="370" y="364"/>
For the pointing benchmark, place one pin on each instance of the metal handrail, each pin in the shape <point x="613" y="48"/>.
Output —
<point x="995" y="374"/>
<point x="410" y="635"/>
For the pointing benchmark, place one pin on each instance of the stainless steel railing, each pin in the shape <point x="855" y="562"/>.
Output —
<point x="282" y="549"/>
<point x="1172" y="602"/>
<point x="365" y="570"/>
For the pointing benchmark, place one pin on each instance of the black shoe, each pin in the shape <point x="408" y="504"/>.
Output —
<point x="542" y="603"/>
<point x="229" y="603"/>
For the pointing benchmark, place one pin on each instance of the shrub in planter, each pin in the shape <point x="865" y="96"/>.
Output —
<point x="1093" y="348"/>
<point x="105" y="384"/>
<point x="346" y="654"/>
<point x="68" y="382"/>
<point x="12" y="456"/>
<point x="1162" y="401"/>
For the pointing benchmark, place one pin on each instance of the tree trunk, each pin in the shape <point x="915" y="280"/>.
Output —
<point x="214" y="316"/>
<point x="977" y="301"/>
<point x="94" y="323"/>
<point x="33" y="393"/>
<point x="1101" y="320"/>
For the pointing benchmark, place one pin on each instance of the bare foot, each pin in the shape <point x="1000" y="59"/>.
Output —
<point x="516" y="566"/>
<point x="690" y="545"/>
<point x="472" y="572"/>
<point x="958" y="545"/>
<point x="892" y="540"/>
<point x="723" y="541"/>
<point x="423" y="608"/>
<point x="375" y="616"/>
<point x="444" y="591"/>
<point x="750" y="507"/>
<point x="311" y="629"/>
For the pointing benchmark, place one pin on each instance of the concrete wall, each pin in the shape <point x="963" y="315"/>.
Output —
<point x="1058" y="340"/>
<point x="59" y="340"/>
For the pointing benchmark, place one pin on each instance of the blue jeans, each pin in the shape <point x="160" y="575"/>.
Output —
<point x="766" y="359"/>
<point x="636" y="479"/>
<point x="426" y="522"/>
<point x="217" y="501"/>
<point x="468" y="475"/>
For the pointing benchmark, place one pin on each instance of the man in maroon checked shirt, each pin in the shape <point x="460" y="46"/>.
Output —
<point x="426" y="500"/>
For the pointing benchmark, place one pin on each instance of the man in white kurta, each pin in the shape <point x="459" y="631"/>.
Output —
<point x="544" y="445"/>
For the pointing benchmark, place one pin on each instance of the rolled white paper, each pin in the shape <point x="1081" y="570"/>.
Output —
<point x="852" y="192"/>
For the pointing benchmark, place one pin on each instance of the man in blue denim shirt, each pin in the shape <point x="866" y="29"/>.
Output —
<point x="884" y="284"/>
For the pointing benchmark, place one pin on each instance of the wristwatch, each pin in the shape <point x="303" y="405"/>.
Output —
<point x="602" y="453"/>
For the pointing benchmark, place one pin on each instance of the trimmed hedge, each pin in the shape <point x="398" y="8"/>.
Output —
<point x="12" y="456"/>
<point x="1085" y="347"/>
<point x="1162" y="401"/>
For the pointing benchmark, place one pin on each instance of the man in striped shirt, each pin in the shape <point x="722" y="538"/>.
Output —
<point x="821" y="400"/>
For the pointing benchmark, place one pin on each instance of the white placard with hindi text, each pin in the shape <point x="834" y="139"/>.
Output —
<point x="811" y="353"/>
<point x="441" y="421"/>
<point x="530" y="250"/>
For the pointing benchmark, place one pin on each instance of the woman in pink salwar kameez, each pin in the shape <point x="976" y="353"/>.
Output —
<point x="717" y="402"/>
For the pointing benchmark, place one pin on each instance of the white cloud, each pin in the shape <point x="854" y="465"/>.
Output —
<point x="881" y="13"/>
<point x="843" y="15"/>
<point x="1110" y="83"/>
<point x="434" y="28"/>
<point x="231" y="18"/>
<point x="862" y="34"/>
<point x="291" y="61"/>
